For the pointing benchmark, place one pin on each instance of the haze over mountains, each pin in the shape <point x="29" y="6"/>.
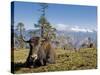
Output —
<point x="77" y="34"/>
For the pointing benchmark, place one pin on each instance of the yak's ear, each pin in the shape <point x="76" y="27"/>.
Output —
<point x="42" y="39"/>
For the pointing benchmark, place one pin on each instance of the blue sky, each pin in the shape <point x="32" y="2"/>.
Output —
<point x="63" y="17"/>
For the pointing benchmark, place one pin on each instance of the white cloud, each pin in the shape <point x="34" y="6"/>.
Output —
<point x="61" y="27"/>
<point x="75" y="28"/>
<point x="78" y="29"/>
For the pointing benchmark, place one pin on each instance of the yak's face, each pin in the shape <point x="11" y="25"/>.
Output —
<point x="35" y="40"/>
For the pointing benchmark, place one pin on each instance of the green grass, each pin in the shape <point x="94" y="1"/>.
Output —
<point x="65" y="60"/>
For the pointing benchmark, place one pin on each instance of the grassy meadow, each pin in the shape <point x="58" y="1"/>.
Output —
<point x="85" y="58"/>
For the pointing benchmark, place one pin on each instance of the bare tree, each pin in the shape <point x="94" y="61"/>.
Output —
<point x="20" y="28"/>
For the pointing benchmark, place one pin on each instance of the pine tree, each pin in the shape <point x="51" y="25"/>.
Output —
<point x="47" y="31"/>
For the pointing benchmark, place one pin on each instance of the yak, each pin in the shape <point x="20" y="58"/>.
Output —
<point x="41" y="52"/>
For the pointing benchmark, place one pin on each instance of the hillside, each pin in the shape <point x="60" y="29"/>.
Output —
<point x="65" y="60"/>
